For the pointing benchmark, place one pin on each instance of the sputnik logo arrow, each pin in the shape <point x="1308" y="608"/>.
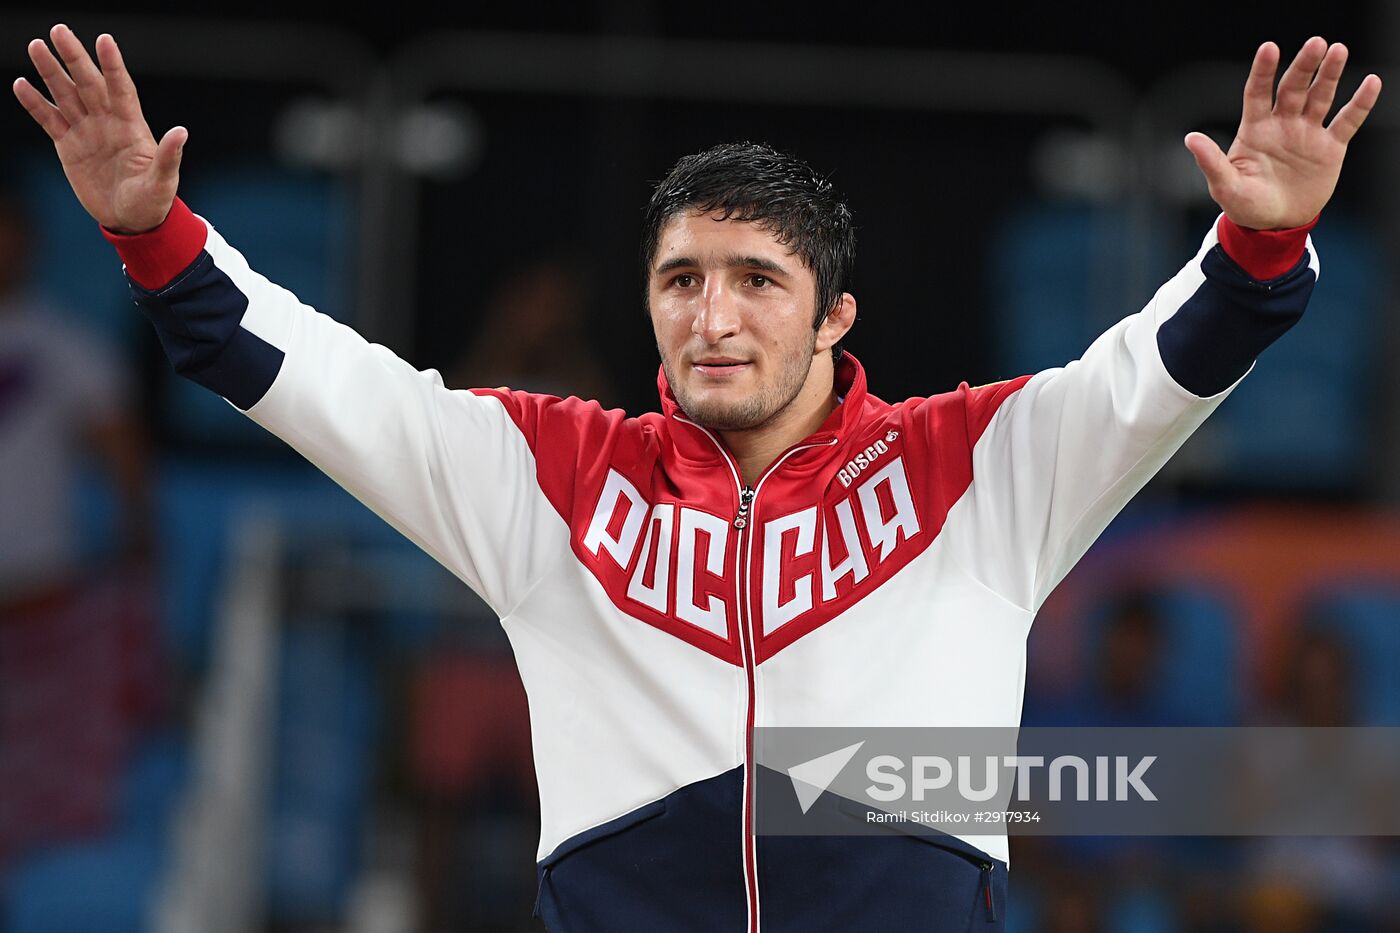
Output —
<point x="811" y="778"/>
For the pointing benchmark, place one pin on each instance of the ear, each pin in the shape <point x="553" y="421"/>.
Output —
<point x="837" y="322"/>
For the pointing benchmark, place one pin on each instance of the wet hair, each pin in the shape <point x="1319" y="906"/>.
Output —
<point x="776" y="191"/>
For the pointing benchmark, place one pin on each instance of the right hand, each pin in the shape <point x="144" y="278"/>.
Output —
<point x="122" y="177"/>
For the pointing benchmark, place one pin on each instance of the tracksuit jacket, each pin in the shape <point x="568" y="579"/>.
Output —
<point x="882" y="572"/>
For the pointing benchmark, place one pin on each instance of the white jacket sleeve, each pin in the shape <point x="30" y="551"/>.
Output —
<point x="447" y="468"/>
<point x="1062" y="454"/>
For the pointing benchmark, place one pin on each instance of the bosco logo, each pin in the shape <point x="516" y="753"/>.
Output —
<point x="865" y="459"/>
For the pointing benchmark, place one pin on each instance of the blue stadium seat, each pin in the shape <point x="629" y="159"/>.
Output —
<point x="1058" y="280"/>
<point x="326" y="725"/>
<point x="1022" y="909"/>
<point x="1141" y="911"/>
<point x="1368" y="616"/>
<point x="154" y="780"/>
<point x="1198" y="683"/>
<point x="106" y="884"/>
<point x="97" y="887"/>
<point x="69" y="242"/>
<point x="198" y="501"/>
<point x="1201" y="683"/>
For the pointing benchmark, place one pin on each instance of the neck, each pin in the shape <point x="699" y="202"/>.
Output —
<point x="755" y="449"/>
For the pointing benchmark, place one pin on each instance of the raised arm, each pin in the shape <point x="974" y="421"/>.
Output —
<point x="453" y="470"/>
<point x="1056" y="455"/>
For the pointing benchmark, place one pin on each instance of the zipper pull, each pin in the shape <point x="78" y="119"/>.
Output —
<point x="539" y="895"/>
<point x="745" y="498"/>
<point x="987" y="891"/>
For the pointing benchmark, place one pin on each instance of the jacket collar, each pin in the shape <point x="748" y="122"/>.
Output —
<point x="843" y="419"/>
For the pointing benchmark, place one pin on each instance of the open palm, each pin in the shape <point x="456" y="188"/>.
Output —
<point x="119" y="173"/>
<point x="1284" y="163"/>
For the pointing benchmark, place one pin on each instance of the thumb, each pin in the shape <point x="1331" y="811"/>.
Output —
<point x="1212" y="162"/>
<point x="168" y="153"/>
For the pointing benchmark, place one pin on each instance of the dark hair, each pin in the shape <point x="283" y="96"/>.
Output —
<point x="778" y="192"/>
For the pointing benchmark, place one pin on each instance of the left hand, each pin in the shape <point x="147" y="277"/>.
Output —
<point x="1283" y="165"/>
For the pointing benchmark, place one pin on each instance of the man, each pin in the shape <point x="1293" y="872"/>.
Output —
<point x="777" y="546"/>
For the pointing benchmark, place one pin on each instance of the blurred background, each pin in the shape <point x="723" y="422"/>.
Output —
<point x="231" y="699"/>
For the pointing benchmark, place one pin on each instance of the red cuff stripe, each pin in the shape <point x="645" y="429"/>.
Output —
<point x="155" y="257"/>
<point x="1263" y="254"/>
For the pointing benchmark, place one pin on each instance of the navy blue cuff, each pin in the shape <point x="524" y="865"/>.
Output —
<point x="1213" y="339"/>
<point x="197" y="318"/>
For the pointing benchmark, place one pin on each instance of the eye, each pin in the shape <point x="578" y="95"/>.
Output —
<point x="684" y="280"/>
<point x="759" y="281"/>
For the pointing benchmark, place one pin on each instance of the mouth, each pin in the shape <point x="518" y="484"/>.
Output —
<point x="719" y="366"/>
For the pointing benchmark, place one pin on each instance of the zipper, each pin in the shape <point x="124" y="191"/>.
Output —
<point x="539" y="893"/>
<point x="987" y="891"/>
<point x="745" y="500"/>
<point x="984" y="895"/>
<point x="743" y="521"/>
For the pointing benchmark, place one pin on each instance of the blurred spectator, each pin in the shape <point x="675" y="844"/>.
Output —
<point x="1321" y="681"/>
<point x="1131" y="663"/>
<point x="61" y="396"/>
<point x="77" y="643"/>
<point x="533" y="336"/>
<point x="470" y="762"/>
<point x="1111" y="882"/>
<point x="1073" y="905"/>
<point x="1318" y="884"/>
<point x="1123" y="686"/>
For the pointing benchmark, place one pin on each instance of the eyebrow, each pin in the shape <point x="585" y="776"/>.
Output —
<point x="732" y="261"/>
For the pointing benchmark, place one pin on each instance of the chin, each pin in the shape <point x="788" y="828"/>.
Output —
<point x="720" y="415"/>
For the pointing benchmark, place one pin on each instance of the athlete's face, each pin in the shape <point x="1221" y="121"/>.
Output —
<point x="733" y="312"/>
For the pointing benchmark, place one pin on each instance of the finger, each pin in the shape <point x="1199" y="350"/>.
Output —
<point x="43" y="112"/>
<point x="1349" y="119"/>
<point x="61" y="87"/>
<point x="168" y="153"/>
<point x="121" y="91"/>
<point x="91" y="88"/>
<point x="1293" y="86"/>
<point x="1259" y="87"/>
<point x="1324" y="86"/>
<point x="1212" y="162"/>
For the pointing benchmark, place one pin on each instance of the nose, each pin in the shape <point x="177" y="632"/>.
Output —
<point x="718" y="314"/>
